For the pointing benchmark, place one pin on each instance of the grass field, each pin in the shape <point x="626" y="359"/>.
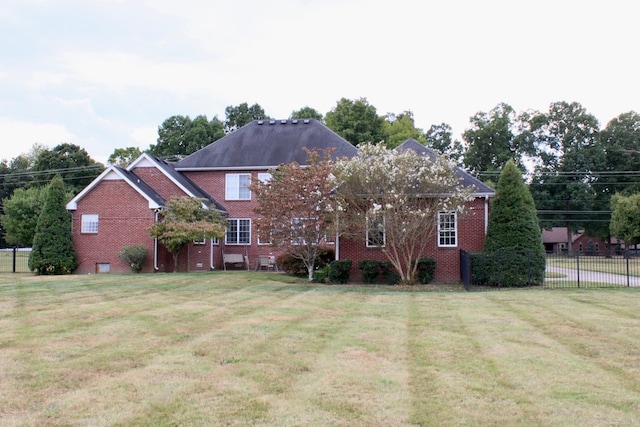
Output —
<point x="262" y="349"/>
<point x="601" y="264"/>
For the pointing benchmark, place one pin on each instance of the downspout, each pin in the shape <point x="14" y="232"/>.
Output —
<point x="211" y="266"/>
<point x="155" y="249"/>
<point x="337" y="251"/>
<point x="486" y="214"/>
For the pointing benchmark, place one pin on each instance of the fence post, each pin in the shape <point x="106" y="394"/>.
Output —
<point x="15" y="255"/>
<point x="627" y="258"/>
<point x="578" y="267"/>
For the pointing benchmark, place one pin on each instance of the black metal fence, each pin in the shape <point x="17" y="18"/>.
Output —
<point x="592" y="269"/>
<point x="14" y="260"/>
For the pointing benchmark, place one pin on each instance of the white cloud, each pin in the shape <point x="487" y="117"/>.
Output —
<point x="18" y="136"/>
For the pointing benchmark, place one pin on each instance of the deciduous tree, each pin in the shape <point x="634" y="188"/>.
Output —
<point x="356" y="121"/>
<point x="124" y="156"/>
<point x="238" y="116"/>
<point x="180" y="136"/>
<point x="21" y="213"/>
<point x="625" y="218"/>
<point x="307" y="113"/>
<point x="565" y="139"/>
<point x="400" y="194"/>
<point x="297" y="208"/>
<point x="185" y="220"/>
<point x="440" y="138"/>
<point x="399" y="128"/>
<point x="71" y="162"/>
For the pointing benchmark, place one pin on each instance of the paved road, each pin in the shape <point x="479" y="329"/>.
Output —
<point x="593" y="276"/>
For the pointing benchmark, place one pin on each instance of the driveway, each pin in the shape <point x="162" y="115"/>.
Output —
<point x="571" y="274"/>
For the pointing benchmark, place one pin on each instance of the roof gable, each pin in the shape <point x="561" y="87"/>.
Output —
<point x="467" y="180"/>
<point x="264" y="144"/>
<point x="184" y="183"/>
<point x="117" y="173"/>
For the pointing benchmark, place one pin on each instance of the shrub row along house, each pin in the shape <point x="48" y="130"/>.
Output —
<point x="118" y="207"/>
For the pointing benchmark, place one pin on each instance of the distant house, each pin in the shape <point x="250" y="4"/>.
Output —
<point x="119" y="206"/>
<point x="556" y="240"/>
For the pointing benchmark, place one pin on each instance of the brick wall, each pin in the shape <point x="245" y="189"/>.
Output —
<point x="124" y="217"/>
<point x="471" y="233"/>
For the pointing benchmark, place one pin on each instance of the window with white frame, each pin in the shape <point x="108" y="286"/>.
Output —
<point x="89" y="223"/>
<point x="264" y="177"/>
<point x="447" y="229"/>
<point x="238" y="232"/>
<point x="237" y="186"/>
<point x="375" y="229"/>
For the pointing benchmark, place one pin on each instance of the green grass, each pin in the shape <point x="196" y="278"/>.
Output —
<point x="601" y="264"/>
<point x="263" y="349"/>
<point x="6" y="262"/>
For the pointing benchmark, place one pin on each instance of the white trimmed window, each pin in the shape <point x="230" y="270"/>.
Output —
<point x="237" y="186"/>
<point x="375" y="229"/>
<point x="239" y="231"/>
<point x="201" y="241"/>
<point x="264" y="177"/>
<point x="447" y="229"/>
<point x="89" y="223"/>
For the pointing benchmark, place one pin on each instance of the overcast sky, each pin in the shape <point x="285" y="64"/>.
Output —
<point x="104" y="74"/>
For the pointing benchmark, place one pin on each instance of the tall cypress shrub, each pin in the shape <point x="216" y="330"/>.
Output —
<point x="513" y="233"/>
<point x="52" y="251"/>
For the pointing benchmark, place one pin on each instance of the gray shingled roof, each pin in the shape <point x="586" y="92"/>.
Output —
<point x="169" y="168"/>
<point x="266" y="144"/>
<point x="135" y="181"/>
<point x="467" y="179"/>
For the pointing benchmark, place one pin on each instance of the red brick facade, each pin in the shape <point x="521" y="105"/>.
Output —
<point x="127" y="204"/>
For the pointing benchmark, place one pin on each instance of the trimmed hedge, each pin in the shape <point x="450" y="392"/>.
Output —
<point x="339" y="271"/>
<point x="507" y="268"/>
<point x="426" y="270"/>
<point x="369" y="270"/>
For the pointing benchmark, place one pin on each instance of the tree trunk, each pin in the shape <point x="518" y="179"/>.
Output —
<point x="175" y="261"/>
<point x="310" y="271"/>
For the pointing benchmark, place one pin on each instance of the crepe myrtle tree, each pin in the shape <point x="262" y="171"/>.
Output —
<point x="396" y="197"/>
<point x="185" y="220"/>
<point x="296" y="207"/>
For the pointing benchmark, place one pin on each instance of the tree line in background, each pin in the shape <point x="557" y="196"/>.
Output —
<point x="573" y="167"/>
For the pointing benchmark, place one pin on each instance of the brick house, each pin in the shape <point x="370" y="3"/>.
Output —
<point x="119" y="206"/>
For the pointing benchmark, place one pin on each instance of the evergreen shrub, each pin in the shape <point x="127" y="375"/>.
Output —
<point x="369" y="270"/>
<point x="339" y="271"/>
<point x="426" y="270"/>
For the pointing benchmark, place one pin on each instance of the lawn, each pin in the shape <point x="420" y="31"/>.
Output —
<point x="242" y="348"/>
<point x="601" y="264"/>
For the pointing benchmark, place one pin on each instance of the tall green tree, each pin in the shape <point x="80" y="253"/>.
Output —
<point x="491" y="142"/>
<point x="565" y="139"/>
<point x="620" y="143"/>
<point x="513" y="227"/>
<point x="440" y="138"/>
<point x="21" y="213"/>
<point x="124" y="156"/>
<point x="185" y="220"/>
<point x="180" y="136"/>
<point x="399" y="128"/>
<point x="307" y="113"/>
<point x="356" y="121"/>
<point x="71" y="162"/>
<point x="625" y="218"/>
<point x="240" y="115"/>
<point x="53" y="251"/>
